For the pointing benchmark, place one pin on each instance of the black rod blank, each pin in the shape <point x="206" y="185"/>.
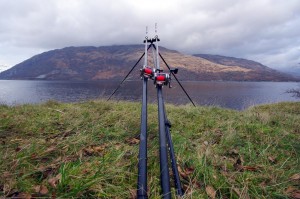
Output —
<point x="163" y="151"/>
<point x="142" y="164"/>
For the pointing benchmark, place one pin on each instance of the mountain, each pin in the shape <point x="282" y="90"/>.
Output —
<point x="114" y="62"/>
<point x="258" y="71"/>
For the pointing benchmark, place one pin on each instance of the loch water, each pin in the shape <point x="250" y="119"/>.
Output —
<point x="233" y="95"/>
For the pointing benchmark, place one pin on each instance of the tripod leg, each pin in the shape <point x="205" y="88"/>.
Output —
<point x="173" y="159"/>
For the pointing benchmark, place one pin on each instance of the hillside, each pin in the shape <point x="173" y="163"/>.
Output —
<point x="113" y="62"/>
<point x="90" y="150"/>
<point x="258" y="70"/>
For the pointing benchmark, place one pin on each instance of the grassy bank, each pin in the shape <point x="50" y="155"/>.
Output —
<point x="90" y="150"/>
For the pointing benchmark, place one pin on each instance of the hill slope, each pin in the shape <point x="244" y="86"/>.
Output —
<point x="258" y="70"/>
<point x="113" y="62"/>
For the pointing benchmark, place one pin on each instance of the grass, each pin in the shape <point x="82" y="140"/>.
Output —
<point x="90" y="150"/>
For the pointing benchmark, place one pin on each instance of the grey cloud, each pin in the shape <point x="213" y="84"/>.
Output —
<point x="264" y="30"/>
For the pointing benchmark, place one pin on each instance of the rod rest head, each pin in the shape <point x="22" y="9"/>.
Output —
<point x="175" y="71"/>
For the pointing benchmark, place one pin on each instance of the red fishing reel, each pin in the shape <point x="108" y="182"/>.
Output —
<point x="147" y="72"/>
<point x="162" y="79"/>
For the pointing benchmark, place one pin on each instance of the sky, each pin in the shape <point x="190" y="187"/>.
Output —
<point x="267" y="31"/>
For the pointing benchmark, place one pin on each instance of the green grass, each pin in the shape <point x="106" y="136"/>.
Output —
<point x="89" y="150"/>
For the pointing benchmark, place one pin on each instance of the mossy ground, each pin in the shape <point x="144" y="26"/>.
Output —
<point x="90" y="150"/>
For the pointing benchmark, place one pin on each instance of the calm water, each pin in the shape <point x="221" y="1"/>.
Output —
<point x="235" y="95"/>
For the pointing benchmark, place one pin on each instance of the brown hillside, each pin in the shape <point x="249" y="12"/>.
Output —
<point x="113" y="62"/>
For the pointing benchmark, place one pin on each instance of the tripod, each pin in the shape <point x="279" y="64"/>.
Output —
<point x="165" y="141"/>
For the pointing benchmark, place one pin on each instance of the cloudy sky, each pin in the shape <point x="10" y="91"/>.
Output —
<point x="267" y="31"/>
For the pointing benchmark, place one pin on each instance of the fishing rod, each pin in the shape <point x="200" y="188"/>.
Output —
<point x="146" y="73"/>
<point x="160" y="79"/>
<point x="165" y="140"/>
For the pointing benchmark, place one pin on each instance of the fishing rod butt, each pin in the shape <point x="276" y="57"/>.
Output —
<point x="163" y="149"/>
